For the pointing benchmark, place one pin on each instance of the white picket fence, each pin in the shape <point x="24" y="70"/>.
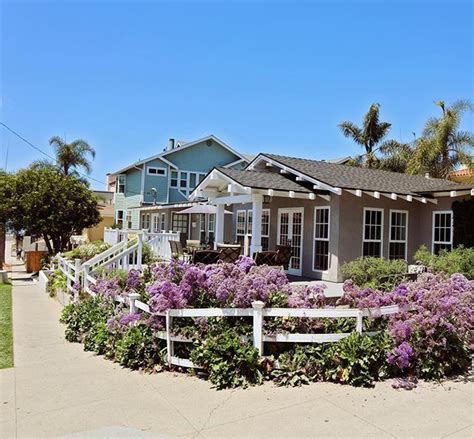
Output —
<point x="258" y="313"/>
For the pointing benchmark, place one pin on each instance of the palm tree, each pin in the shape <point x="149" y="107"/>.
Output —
<point x="70" y="156"/>
<point x="443" y="147"/>
<point x="369" y="137"/>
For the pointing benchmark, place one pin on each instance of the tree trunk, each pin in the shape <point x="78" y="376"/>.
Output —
<point x="48" y="243"/>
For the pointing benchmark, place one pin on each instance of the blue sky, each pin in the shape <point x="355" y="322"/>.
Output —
<point x="261" y="75"/>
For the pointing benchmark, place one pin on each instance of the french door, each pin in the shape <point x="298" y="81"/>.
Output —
<point x="290" y="232"/>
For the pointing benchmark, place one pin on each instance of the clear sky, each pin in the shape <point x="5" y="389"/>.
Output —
<point x="263" y="76"/>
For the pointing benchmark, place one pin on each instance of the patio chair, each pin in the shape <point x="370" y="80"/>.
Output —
<point x="266" y="258"/>
<point x="177" y="251"/>
<point x="283" y="256"/>
<point x="193" y="244"/>
<point x="205" y="257"/>
<point x="229" y="253"/>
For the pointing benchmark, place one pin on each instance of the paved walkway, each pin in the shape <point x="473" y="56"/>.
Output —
<point x="57" y="389"/>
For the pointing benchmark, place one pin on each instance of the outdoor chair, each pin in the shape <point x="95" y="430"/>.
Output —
<point x="205" y="257"/>
<point x="283" y="256"/>
<point x="266" y="258"/>
<point x="229" y="253"/>
<point x="193" y="244"/>
<point x="177" y="251"/>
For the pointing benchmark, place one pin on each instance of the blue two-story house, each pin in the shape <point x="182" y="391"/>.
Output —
<point x="150" y="193"/>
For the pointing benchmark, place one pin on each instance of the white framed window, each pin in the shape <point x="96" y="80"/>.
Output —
<point x="241" y="226"/>
<point x="202" y="227"/>
<point x="174" y="179"/>
<point x="129" y="219"/>
<point x="322" y="216"/>
<point x="249" y="222"/>
<point x="183" y="180"/>
<point x="146" y="221"/>
<point x="120" y="215"/>
<point x="120" y="186"/>
<point x="442" y="231"/>
<point x="265" y="229"/>
<point x="163" y="221"/>
<point x="211" y="226"/>
<point x="180" y="222"/>
<point x="160" y="172"/>
<point x="398" y="234"/>
<point x="155" y="222"/>
<point x="372" y="232"/>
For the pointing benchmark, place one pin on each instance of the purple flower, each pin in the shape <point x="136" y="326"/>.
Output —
<point x="400" y="356"/>
<point x="245" y="263"/>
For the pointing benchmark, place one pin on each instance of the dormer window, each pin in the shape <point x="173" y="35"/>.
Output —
<point x="174" y="179"/>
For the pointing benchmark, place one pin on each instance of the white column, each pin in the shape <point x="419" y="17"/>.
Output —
<point x="257" y="202"/>
<point x="219" y="234"/>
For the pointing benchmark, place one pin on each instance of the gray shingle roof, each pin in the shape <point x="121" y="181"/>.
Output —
<point x="349" y="177"/>
<point x="263" y="180"/>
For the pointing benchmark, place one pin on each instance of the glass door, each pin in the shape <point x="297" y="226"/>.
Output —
<point x="290" y="232"/>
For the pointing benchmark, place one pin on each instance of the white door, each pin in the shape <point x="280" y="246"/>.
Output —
<point x="290" y="232"/>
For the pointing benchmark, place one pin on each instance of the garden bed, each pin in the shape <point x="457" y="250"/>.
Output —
<point x="239" y="325"/>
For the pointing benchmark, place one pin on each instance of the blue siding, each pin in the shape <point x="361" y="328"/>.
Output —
<point x="159" y="182"/>
<point x="201" y="158"/>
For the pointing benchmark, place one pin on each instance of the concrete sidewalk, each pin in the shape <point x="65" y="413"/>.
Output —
<point x="57" y="389"/>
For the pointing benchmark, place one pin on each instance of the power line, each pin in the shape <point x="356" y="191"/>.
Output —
<point x="46" y="154"/>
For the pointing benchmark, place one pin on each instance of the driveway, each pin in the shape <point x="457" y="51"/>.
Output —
<point x="57" y="389"/>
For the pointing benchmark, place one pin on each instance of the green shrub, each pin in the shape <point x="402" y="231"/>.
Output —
<point x="366" y="272"/>
<point x="98" y="338"/>
<point x="301" y="365"/>
<point x="458" y="260"/>
<point x="357" y="359"/>
<point x="57" y="281"/>
<point x="137" y="348"/>
<point x="227" y="360"/>
<point x="80" y="317"/>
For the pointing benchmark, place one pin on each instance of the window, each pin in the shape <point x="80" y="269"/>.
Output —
<point x="201" y="177"/>
<point x="249" y="222"/>
<point x="202" y="228"/>
<point x="211" y="227"/>
<point x="146" y="221"/>
<point x="174" y="179"/>
<point x="240" y="227"/>
<point x="192" y="180"/>
<point x="265" y="229"/>
<point x="129" y="219"/>
<point x="157" y="171"/>
<point x="180" y="222"/>
<point x="183" y="180"/>
<point x="155" y="222"/>
<point x="163" y="221"/>
<point x="120" y="187"/>
<point x="321" y="238"/>
<point x="397" y="243"/>
<point x="442" y="231"/>
<point x="372" y="232"/>
<point x="119" y="218"/>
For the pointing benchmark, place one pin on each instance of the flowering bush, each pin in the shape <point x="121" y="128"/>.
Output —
<point x="429" y="338"/>
<point x="459" y="260"/>
<point x="431" y="335"/>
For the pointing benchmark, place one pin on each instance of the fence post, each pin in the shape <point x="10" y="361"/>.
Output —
<point x="359" y="322"/>
<point x="139" y="250"/>
<point x="85" y="280"/>
<point x="77" y="276"/>
<point x="169" y="343"/>
<point x="258" y="325"/>
<point x="132" y="297"/>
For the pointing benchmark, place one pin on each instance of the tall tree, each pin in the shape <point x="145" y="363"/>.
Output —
<point x="69" y="156"/>
<point x="370" y="136"/>
<point x="442" y="147"/>
<point x="45" y="202"/>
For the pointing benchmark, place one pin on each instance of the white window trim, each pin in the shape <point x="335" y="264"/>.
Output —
<point x="186" y="191"/>
<point x="433" y="229"/>
<point x="315" y="270"/>
<point x="162" y="221"/>
<point x="209" y="222"/>
<point x="269" y="222"/>
<point x="397" y="241"/>
<point x="117" y="186"/>
<point x="237" y="222"/>
<point x="164" y="174"/>
<point x="381" y="230"/>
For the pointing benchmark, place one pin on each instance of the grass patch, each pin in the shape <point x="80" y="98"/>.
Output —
<point x="6" y="328"/>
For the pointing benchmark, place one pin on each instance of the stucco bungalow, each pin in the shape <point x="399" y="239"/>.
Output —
<point x="330" y="213"/>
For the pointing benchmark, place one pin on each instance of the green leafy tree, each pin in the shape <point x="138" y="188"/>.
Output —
<point x="69" y="156"/>
<point x="443" y="147"/>
<point x="370" y="136"/>
<point x="45" y="202"/>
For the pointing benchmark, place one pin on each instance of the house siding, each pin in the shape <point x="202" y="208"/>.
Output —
<point x="159" y="182"/>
